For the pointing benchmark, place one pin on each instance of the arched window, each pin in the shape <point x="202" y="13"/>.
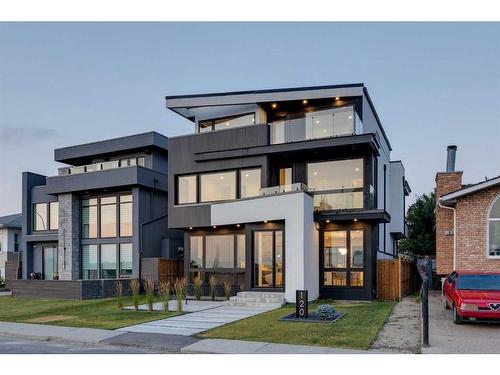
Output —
<point x="494" y="229"/>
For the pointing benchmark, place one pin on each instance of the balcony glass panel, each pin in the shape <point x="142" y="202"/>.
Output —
<point x="112" y="164"/>
<point x="328" y="123"/>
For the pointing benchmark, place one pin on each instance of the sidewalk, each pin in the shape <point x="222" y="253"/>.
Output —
<point x="222" y="346"/>
<point x="48" y="332"/>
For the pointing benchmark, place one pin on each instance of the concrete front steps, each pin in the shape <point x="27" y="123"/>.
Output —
<point x="270" y="300"/>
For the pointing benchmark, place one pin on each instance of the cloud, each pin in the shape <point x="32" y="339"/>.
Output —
<point x="25" y="134"/>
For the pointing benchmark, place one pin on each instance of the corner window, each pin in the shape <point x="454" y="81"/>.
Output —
<point x="218" y="186"/>
<point x="40" y="217"/>
<point x="336" y="184"/>
<point x="250" y="182"/>
<point x="186" y="189"/>
<point x="54" y="215"/>
<point x="493" y="229"/>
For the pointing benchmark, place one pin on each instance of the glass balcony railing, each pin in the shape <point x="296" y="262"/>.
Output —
<point x="316" y="125"/>
<point x="105" y="165"/>
<point x="329" y="200"/>
<point x="273" y="190"/>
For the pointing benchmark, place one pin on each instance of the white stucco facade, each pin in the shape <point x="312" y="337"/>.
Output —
<point x="301" y="236"/>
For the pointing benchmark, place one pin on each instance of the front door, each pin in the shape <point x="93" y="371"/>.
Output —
<point x="268" y="259"/>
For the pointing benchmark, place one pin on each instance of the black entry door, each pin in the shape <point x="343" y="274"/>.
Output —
<point x="268" y="259"/>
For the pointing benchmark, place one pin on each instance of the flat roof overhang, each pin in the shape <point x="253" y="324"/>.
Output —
<point x="362" y="140"/>
<point x="83" y="154"/>
<point x="182" y="103"/>
<point x="110" y="178"/>
<point x="375" y="215"/>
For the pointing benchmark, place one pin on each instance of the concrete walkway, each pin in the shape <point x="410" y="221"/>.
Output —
<point x="199" y="321"/>
<point x="48" y="332"/>
<point x="401" y="333"/>
<point x="222" y="346"/>
<point x="447" y="337"/>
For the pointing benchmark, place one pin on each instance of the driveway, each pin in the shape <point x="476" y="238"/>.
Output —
<point x="446" y="337"/>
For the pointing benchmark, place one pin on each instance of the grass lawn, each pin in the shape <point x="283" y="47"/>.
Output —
<point x="355" y="330"/>
<point x="97" y="313"/>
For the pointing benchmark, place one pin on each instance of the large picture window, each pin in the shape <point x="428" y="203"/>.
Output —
<point x="343" y="258"/>
<point x="218" y="186"/>
<point x="221" y="256"/>
<point x="336" y="184"/>
<point x="108" y="261"/>
<point x="494" y="229"/>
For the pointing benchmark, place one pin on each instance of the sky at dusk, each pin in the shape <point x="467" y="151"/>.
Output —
<point x="61" y="84"/>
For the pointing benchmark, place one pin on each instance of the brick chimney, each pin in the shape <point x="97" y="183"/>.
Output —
<point x="446" y="182"/>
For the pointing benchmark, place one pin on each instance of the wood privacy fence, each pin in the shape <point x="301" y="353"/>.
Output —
<point x="161" y="269"/>
<point x="394" y="278"/>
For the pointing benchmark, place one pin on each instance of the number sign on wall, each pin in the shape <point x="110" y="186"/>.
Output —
<point x="301" y="304"/>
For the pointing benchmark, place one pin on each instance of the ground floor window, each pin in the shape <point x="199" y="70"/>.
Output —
<point x="343" y="258"/>
<point x="106" y="261"/>
<point x="221" y="256"/>
<point x="50" y="265"/>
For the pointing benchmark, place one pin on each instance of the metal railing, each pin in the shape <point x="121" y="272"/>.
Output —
<point x="101" y="166"/>
<point x="273" y="190"/>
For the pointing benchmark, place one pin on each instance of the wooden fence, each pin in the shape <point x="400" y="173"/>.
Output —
<point x="160" y="269"/>
<point x="394" y="278"/>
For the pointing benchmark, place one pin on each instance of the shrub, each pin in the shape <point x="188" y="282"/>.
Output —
<point x="149" y="288"/>
<point x="227" y="289"/>
<point x="119" y="294"/>
<point x="2" y="282"/>
<point x="180" y="292"/>
<point x="197" y="286"/>
<point x="213" y="283"/>
<point x="135" y="287"/>
<point x="165" y="293"/>
<point x="326" y="312"/>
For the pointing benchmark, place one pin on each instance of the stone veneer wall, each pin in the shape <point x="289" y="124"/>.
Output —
<point x="446" y="182"/>
<point x="69" y="237"/>
<point x="472" y="219"/>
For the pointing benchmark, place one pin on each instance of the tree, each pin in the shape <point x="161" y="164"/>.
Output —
<point x="421" y="220"/>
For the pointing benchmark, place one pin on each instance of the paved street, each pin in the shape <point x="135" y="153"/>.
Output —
<point x="10" y="345"/>
<point x="446" y="337"/>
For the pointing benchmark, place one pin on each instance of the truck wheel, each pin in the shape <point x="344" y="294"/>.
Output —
<point x="456" y="318"/>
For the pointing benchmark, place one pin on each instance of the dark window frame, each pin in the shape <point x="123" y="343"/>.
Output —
<point x="348" y="269"/>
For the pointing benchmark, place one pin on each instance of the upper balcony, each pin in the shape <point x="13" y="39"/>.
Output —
<point x="329" y="123"/>
<point x="105" y="165"/>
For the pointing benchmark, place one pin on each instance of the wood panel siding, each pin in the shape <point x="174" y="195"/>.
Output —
<point x="160" y="269"/>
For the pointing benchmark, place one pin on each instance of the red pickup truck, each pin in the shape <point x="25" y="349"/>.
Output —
<point x="473" y="296"/>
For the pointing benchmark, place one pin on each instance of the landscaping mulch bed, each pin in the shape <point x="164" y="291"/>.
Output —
<point x="313" y="317"/>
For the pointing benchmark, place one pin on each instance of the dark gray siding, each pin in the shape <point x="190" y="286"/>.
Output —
<point x="183" y="152"/>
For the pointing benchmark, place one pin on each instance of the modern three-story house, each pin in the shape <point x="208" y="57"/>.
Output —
<point x="99" y="216"/>
<point x="284" y="190"/>
<point x="275" y="191"/>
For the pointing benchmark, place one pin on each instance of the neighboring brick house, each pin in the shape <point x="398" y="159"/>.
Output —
<point x="467" y="222"/>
